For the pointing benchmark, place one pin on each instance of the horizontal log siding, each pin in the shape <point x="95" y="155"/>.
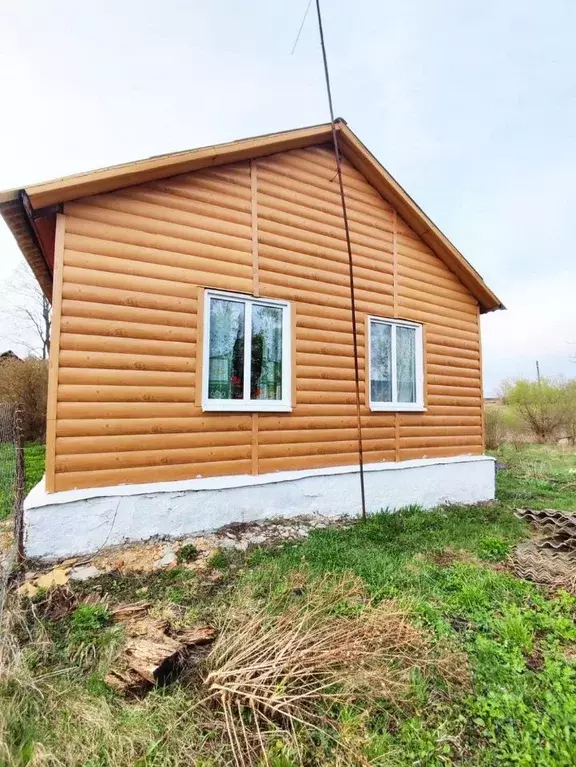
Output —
<point x="303" y="256"/>
<point x="428" y="292"/>
<point x="133" y="264"/>
<point x="127" y="403"/>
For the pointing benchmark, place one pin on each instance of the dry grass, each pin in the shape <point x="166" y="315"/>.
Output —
<point x="284" y="669"/>
<point x="280" y="668"/>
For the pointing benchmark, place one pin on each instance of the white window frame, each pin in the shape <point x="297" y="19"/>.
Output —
<point x="396" y="406"/>
<point x="246" y="404"/>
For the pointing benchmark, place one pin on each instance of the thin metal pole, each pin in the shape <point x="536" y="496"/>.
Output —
<point x="20" y="484"/>
<point x="350" y="265"/>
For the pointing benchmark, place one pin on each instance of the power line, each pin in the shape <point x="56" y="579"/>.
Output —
<point x="301" y="27"/>
<point x="350" y="266"/>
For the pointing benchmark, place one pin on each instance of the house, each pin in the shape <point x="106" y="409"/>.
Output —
<point x="202" y="363"/>
<point x="9" y="356"/>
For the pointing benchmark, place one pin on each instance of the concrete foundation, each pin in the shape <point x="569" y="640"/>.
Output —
<point x="77" y="522"/>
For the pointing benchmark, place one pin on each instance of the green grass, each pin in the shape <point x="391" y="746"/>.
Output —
<point x="517" y="640"/>
<point x="34" y="458"/>
<point x="7" y="478"/>
<point x="539" y="476"/>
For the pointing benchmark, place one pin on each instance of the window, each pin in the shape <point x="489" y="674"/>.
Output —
<point x="246" y="362"/>
<point x="396" y="376"/>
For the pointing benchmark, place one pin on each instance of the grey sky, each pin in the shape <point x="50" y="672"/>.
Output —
<point x="470" y="104"/>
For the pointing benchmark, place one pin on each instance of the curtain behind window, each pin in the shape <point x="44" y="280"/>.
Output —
<point x="406" y="363"/>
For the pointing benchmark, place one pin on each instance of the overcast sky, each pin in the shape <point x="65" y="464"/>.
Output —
<point x="470" y="104"/>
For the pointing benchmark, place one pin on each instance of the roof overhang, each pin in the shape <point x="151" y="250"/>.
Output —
<point x="30" y="212"/>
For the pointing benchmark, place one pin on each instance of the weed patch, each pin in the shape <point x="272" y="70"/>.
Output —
<point x="187" y="553"/>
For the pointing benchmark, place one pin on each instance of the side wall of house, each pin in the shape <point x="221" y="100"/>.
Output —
<point x="131" y="267"/>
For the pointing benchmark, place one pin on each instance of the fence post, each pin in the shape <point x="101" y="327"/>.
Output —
<point x="20" y="483"/>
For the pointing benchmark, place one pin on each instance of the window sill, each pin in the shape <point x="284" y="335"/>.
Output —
<point x="385" y="407"/>
<point x="232" y="407"/>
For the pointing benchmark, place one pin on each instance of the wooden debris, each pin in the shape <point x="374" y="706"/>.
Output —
<point x="56" y="577"/>
<point x="151" y="654"/>
<point x="148" y="657"/>
<point x="197" y="635"/>
<point x="147" y="627"/>
<point x="124" y="681"/>
<point x="27" y="589"/>
<point x="127" y="612"/>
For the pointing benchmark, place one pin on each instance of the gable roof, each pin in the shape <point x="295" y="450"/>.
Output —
<point x="30" y="212"/>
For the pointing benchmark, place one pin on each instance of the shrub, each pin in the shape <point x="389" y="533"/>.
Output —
<point x="494" y="427"/>
<point x="25" y="382"/>
<point x="542" y="405"/>
<point x="502" y="424"/>
<point x="570" y="416"/>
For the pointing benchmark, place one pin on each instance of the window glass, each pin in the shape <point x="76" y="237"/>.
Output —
<point x="226" y="363"/>
<point x="381" y="362"/>
<point x="406" y="363"/>
<point x="246" y="354"/>
<point x="266" y="353"/>
<point x="395" y="359"/>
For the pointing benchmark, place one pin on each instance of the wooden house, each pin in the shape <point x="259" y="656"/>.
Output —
<point x="202" y="358"/>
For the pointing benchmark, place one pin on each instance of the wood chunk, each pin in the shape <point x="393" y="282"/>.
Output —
<point x="196" y="635"/>
<point x="126" y="612"/>
<point x="147" y="627"/>
<point x="150" y="655"/>
<point x="124" y="682"/>
<point x="147" y="656"/>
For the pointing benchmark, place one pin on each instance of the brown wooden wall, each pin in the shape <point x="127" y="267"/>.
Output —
<point x="124" y="398"/>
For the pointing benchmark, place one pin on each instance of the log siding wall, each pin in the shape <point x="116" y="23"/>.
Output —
<point x="126" y="371"/>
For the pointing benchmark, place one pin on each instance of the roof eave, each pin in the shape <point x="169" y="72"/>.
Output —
<point x="51" y="193"/>
<point x="361" y="157"/>
<point x="14" y="214"/>
<point x="154" y="168"/>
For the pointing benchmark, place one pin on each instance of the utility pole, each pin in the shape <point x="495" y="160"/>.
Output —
<point x="538" y="372"/>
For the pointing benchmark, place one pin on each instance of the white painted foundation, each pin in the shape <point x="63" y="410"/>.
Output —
<point x="74" y="522"/>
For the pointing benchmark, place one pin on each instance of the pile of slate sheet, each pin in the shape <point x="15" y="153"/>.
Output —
<point x="550" y="558"/>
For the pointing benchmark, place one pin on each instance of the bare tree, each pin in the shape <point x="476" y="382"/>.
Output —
<point x="26" y="313"/>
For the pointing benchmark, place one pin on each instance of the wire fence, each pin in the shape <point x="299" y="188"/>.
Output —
<point x="12" y="479"/>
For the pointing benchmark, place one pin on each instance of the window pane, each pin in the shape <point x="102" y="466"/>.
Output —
<point x="380" y="362"/>
<point x="266" y="361"/>
<point x="226" y="365"/>
<point x="406" y="363"/>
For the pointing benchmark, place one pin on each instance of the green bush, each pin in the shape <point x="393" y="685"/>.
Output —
<point x="545" y="406"/>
